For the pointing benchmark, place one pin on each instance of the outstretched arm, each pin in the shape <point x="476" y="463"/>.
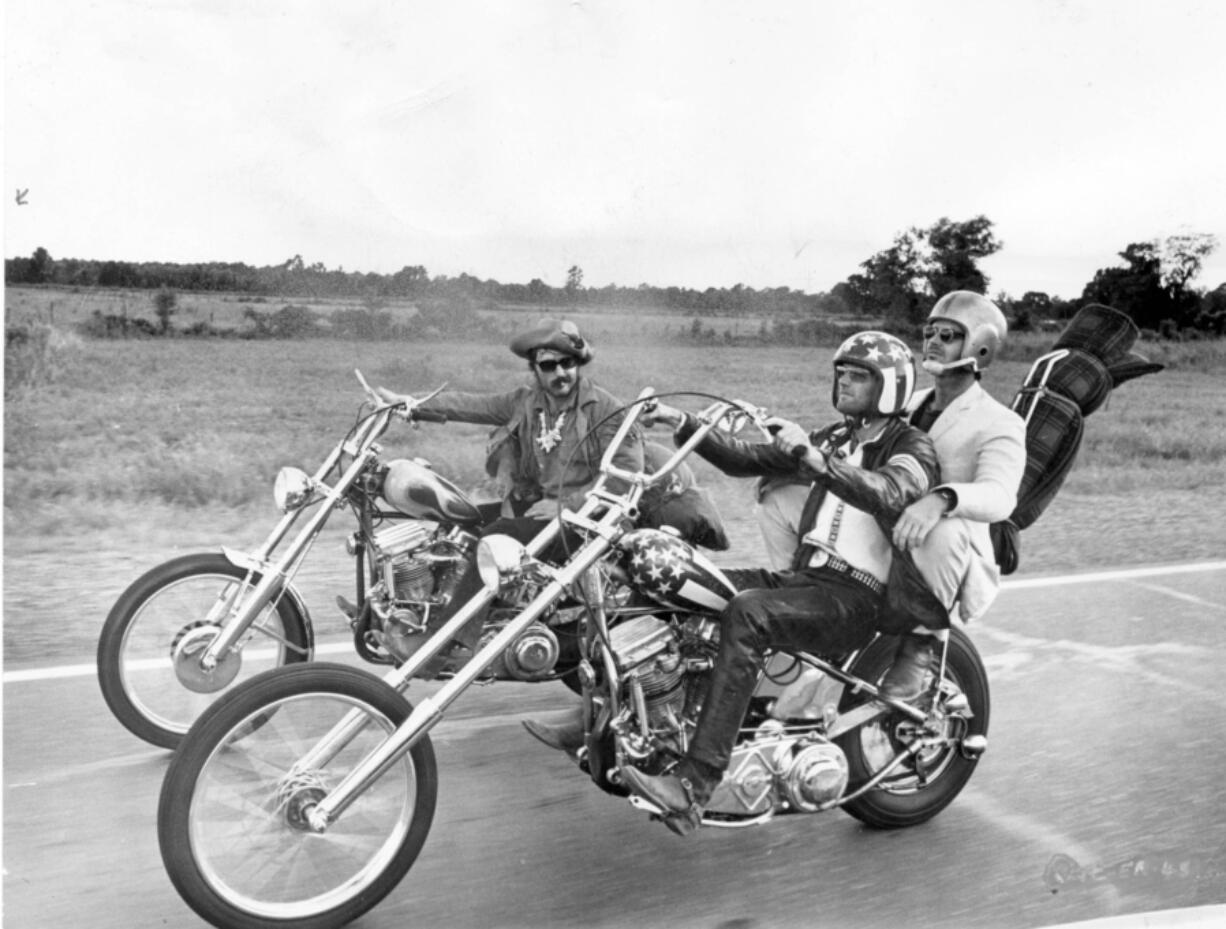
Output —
<point x="490" y="409"/>
<point x="735" y="457"/>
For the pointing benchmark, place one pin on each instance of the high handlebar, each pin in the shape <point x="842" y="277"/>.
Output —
<point x="411" y="412"/>
<point x="730" y="415"/>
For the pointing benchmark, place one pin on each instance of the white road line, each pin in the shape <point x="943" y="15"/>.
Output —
<point x="1128" y="659"/>
<point x="63" y="774"/>
<point x="86" y="670"/>
<point x="89" y="670"/>
<point x="1180" y="595"/>
<point x="1124" y="574"/>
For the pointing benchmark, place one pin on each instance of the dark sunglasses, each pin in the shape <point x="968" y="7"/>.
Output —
<point x="553" y="364"/>
<point x="946" y="334"/>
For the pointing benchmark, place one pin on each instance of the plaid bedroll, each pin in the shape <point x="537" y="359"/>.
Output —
<point x="1091" y="356"/>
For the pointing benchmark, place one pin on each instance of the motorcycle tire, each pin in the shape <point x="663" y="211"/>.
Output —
<point x="232" y="814"/>
<point x="921" y="790"/>
<point x="140" y="682"/>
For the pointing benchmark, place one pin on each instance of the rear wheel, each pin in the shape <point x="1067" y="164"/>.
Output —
<point x="233" y="817"/>
<point x="146" y="650"/>
<point x="925" y="784"/>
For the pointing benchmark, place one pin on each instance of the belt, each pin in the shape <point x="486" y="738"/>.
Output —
<point x="839" y="566"/>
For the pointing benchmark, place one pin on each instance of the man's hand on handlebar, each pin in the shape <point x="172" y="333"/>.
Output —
<point x="792" y="440"/>
<point x="394" y="399"/>
<point x="663" y="414"/>
<point x="409" y="407"/>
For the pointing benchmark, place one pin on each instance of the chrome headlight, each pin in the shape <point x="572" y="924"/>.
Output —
<point x="500" y="560"/>
<point x="293" y="489"/>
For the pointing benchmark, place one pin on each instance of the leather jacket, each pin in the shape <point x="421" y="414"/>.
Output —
<point x="897" y="468"/>
<point x="569" y="471"/>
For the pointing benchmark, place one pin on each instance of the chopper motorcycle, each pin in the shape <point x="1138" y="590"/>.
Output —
<point x="190" y="629"/>
<point x="302" y="797"/>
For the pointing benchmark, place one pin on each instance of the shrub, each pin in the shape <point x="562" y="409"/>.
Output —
<point x="112" y="326"/>
<point x="165" y="305"/>
<point x="34" y="355"/>
<point x="289" y="322"/>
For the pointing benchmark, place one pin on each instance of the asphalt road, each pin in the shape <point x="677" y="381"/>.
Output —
<point x="1105" y="760"/>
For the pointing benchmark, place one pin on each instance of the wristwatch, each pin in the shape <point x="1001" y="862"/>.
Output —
<point x="947" y="494"/>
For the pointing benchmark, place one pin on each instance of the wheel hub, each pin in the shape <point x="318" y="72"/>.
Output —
<point x="185" y="653"/>
<point x="297" y="796"/>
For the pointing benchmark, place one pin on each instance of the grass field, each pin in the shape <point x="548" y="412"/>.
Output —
<point x="68" y="307"/>
<point x="131" y="451"/>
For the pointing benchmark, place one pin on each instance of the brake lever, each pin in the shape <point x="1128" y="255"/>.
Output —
<point x="434" y="393"/>
<point x="748" y="412"/>
<point x="370" y="391"/>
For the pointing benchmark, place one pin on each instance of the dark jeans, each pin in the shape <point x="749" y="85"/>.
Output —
<point x="814" y="610"/>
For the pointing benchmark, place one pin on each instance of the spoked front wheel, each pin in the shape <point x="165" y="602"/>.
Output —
<point x="149" y="644"/>
<point x="234" y="813"/>
<point x="947" y="745"/>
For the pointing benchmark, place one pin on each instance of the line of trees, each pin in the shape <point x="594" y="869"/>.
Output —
<point x="1155" y="287"/>
<point x="294" y="279"/>
<point x="898" y="285"/>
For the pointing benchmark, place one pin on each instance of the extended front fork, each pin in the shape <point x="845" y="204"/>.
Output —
<point x="427" y="713"/>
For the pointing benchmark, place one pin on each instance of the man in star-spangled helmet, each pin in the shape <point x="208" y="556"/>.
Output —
<point x="862" y="473"/>
<point x="889" y="362"/>
<point x="980" y="445"/>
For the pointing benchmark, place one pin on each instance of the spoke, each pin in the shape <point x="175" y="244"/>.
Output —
<point x="249" y="833"/>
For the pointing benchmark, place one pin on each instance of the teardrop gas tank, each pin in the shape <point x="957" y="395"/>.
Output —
<point x="415" y="490"/>
<point x="669" y="571"/>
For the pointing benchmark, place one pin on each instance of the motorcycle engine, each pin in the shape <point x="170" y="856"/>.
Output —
<point x="404" y="572"/>
<point x="649" y="647"/>
<point x="781" y="769"/>
<point x="418" y="567"/>
<point x="532" y="656"/>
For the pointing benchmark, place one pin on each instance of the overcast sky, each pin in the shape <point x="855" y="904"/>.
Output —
<point x="673" y="143"/>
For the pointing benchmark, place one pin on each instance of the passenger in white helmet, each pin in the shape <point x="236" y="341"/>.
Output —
<point x="981" y="445"/>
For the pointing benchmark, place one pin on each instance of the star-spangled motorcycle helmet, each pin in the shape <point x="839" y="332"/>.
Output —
<point x="890" y="362"/>
<point x="666" y="569"/>
<point x="983" y="326"/>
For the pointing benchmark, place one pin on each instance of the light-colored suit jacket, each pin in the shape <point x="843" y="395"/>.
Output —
<point x="981" y="445"/>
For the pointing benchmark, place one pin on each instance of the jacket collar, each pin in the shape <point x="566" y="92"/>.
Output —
<point x="965" y="401"/>
<point x="893" y="424"/>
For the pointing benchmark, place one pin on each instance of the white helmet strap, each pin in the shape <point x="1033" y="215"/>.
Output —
<point x="936" y="368"/>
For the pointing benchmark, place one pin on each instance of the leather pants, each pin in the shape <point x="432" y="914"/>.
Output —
<point x="815" y="610"/>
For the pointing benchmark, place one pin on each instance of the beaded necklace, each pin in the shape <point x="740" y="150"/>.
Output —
<point x="549" y="439"/>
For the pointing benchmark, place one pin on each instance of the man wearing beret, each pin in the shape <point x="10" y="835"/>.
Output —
<point x="548" y="423"/>
<point x="555" y="429"/>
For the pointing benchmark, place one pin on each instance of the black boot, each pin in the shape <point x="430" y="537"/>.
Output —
<point x="905" y="679"/>
<point x="562" y="731"/>
<point x="681" y="796"/>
